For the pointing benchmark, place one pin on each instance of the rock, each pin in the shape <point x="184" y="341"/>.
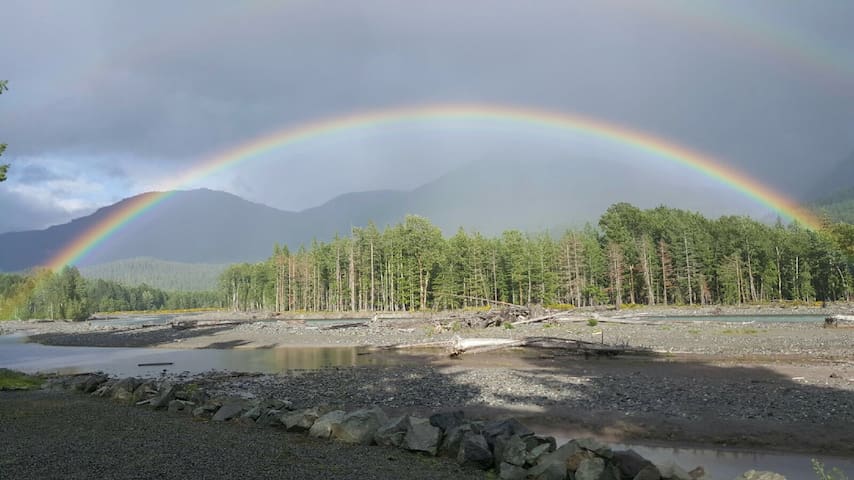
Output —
<point x="650" y="472"/>
<point x="205" y="411"/>
<point x="89" y="383"/>
<point x="254" y="413"/>
<point x="422" y="436"/>
<point x="629" y="462"/>
<point x="105" y="390"/>
<point x="277" y="404"/>
<point x="145" y="391"/>
<point x="227" y="412"/>
<point x="323" y="426"/>
<point x="574" y="461"/>
<point x="474" y="451"/>
<point x="532" y="457"/>
<point x="123" y="389"/>
<point x="535" y="441"/>
<point x="180" y="406"/>
<point x="591" y="469"/>
<point x="673" y="472"/>
<point x="760" y="475"/>
<point x="270" y="418"/>
<point x="595" y="446"/>
<point x="453" y="439"/>
<point x="301" y="421"/>
<point x="448" y="420"/>
<point x="512" y="450"/>
<point x="505" y="428"/>
<point x="507" y="471"/>
<point x="698" y="473"/>
<point x="553" y="465"/>
<point x="392" y="433"/>
<point x="166" y="395"/>
<point x="360" y="426"/>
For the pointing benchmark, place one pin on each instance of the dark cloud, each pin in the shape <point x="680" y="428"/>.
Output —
<point x="761" y="85"/>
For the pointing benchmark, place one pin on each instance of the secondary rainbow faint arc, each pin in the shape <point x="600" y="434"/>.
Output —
<point x="635" y="139"/>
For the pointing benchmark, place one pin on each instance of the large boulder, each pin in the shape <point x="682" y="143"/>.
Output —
<point x="422" y="436"/>
<point x="650" y="472"/>
<point x="673" y="471"/>
<point x="630" y="462"/>
<point x="504" y="428"/>
<point x="227" y="412"/>
<point x="88" y="383"/>
<point x="124" y="388"/>
<point x="270" y="418"/>
<point x="593" y="469"/>
<point x="302" y="420"/>
<point x="760" y="475"/>
<point x="508" y="471"/>
<point x="145" y="391"/>
<point x="448" y="420"/>
<point x="538" y="446"/>
<point x="553" y="466"/>
<point x="512" y="450"/>
<point x="392" y="433"/>
<point x="164" y="396"/>
<point x="206" y="410"/>
<point x="595" y="446"/>
<point x="475" y="451"/>
<point x="323" y="426"/>
<point x="454" y="438"/>
<point x="360" y="426"/>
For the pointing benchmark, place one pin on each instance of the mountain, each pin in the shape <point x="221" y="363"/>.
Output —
<point x="835" y="183"/>
<point x="205" y="226"/>
<point x="169" y="276"/>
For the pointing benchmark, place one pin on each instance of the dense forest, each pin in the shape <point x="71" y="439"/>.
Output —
<point x="162" y="274"/>
<point x="660" y="256"/>
<point x="67" y="295"/>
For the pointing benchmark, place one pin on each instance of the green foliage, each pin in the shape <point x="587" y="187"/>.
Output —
<point x="12" y="380"/>
<point x="640" y="257"/>
<point x="834" y="474"/>
<point x="592" y="322"/>
<point x="740" y="331"/>
<point x="508" y="326"/>
<point x="169" y="276"/>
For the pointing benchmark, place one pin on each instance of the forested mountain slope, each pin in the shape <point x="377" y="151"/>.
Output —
<point x="169" y="276"/>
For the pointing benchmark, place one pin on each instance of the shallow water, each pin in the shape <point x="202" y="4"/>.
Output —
<point x="17" y="354"/>
<point x="742" y="318"/>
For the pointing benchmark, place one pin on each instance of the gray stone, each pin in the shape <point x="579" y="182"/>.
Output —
<point x="254" y="413"/>
<point x="123" y="390"/>
<point x="535" y="441"/>
<point x="595" y="446"/>
<point x="475" y="452"/>
<point x="322" y="427"/>
<point x="422" y="436"/>
<point x="164" y="396"/>
<point x="508" y="471"/>
<point x="553" y="465"/>
<point x="650" y="472"/>
<point x="629" y="462"/>
<point x="302" y="420"/>
<point x="89" y="383"/>
<point x="360" y="426"/>
<point x="533" y="455"/>
<point x="205" y="411"/>
<point x="512" y="450"/>
<point x="180" y="406"/>
<point x="451" y="443"/>
<point x="392" y="433"/>
<point x="504" y="428"/>
<point x="448" y="420"/>
<point x="590" y="469"/>
<point x="227" y="412"/>
<point x="145" y="391"/>
<point x="270" y="418"/>
<point x="760" y="475"/>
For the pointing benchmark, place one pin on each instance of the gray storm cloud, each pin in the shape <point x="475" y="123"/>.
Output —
<point x="157" y="88"/>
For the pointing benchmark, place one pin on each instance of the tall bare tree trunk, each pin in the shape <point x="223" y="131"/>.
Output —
<point x="688" y="271"/>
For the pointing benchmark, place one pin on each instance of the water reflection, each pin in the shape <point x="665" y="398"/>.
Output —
<point x="33" y="357"/>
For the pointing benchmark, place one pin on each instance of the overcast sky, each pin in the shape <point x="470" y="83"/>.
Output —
<point x="108" y="99"/>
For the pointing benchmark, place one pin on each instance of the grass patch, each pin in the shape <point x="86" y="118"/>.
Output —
<point x="508" y="326"/>
<point x="12" y="380"/>
<point x="694" y="331"/>
<point x="666" y="328"/>
<point x="560" y="306"/>
<point x="592" y="322"/>
<point x="740" y="331"/>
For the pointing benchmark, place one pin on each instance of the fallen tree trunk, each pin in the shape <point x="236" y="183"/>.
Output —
<point x="481" y="345"/>
<point x="345" y="325"/>
<point x="839" y="320"/>
<point x="188" y="324"/>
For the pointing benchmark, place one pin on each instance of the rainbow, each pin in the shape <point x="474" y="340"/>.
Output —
<point x="491" y="114"/>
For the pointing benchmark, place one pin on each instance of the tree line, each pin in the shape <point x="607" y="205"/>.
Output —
<point x="659" y="256"/>
<point x="67" y="295"/>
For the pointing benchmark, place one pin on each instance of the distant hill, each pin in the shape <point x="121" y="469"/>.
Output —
<point x="169" y="276"/>
<point x="839" y="206"/>
<point x="206" y="226"/>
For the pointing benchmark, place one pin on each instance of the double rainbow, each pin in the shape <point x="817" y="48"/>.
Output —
<point x="495" y="114"/>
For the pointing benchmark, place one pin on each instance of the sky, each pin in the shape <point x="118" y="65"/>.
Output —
<point x="109" y="99"/>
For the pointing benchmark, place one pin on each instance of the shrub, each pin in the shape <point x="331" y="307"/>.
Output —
<point x="592" y="322"/>
<point x="833" y="474"/>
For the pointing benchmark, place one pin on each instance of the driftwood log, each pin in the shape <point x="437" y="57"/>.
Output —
<point x="839" y="321"/>
<point x="188" y="324"/>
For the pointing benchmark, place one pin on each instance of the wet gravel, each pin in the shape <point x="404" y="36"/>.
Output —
<point x="55" y="435"/>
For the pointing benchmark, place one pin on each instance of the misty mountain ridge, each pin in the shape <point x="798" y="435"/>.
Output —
<point x="213" y="227"/>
